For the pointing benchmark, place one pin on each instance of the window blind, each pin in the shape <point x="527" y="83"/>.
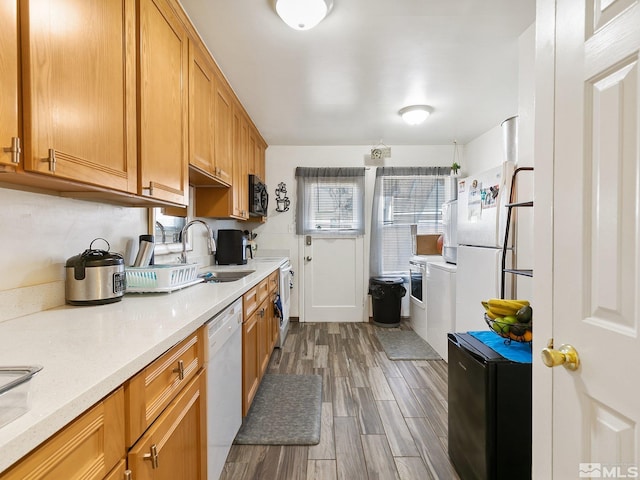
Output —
<point x="330" y="201"/>
<point x="404" y="197"/>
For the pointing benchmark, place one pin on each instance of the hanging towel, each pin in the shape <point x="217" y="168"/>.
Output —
<point x="277" y="304"/>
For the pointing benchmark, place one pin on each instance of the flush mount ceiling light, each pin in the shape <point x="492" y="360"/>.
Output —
<point x="415" y="114"/>
<point x="303" y="14"/>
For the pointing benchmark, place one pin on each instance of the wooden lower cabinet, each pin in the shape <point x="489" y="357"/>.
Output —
<point x="88" y="448"/>
<point x="160" y="413"/>
<point x="118" y="472"/>
<point x="264" y="338"/>
<point x="174" y="447"/>
<point x="259" y="335"/>
<point x="250" y="368"/>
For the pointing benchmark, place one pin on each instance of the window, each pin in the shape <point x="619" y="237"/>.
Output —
<point x="330" y="201"/>
<point x="404" y="197"/>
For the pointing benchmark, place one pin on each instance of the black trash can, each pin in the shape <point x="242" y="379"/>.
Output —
<point x="387" y="293"/>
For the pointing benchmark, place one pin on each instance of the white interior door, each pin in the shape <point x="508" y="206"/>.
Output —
<point x="596" y="231"/>
<point x="333" y="279"/>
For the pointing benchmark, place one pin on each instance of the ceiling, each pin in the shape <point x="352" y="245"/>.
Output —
<point x="343" y="82"/>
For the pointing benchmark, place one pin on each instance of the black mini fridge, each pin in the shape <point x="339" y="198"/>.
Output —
<point x="489" y="412"/>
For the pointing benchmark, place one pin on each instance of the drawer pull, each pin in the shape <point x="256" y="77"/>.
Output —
<point x="262" y="312"/>
<point x="153" y="456"/>
<point x="180" y="370"/>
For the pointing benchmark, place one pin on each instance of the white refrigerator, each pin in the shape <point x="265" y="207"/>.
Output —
<point x="482" y="218"/>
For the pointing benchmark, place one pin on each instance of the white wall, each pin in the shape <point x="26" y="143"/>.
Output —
<point x="487" y="151"/>
<point x="483" y="152"/>
<point x="526" y="119"/>
<point x="40" y="232"/>
<point x="281" y="162"/>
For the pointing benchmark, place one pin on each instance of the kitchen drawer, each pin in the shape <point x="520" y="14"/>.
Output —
<point x="93" y="443"/>
<point x="274" y="280"/>
<point x="149" y="392"/>
<point x="249" y="302"/>
<point x="263" y="290"/>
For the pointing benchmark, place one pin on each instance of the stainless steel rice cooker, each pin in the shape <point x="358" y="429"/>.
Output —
<point x="95" y="277"/>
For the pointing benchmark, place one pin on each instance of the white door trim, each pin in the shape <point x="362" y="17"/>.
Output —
<point x="543" y="237"/>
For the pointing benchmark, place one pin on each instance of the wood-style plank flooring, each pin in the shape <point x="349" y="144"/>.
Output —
<point x="381" y="419"/>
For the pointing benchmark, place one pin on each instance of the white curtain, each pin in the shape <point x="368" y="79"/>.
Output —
<point x="330" y="201"/>
<point x="405" y="196"/>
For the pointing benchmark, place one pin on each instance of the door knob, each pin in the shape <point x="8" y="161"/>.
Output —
<point x="308" y="258"/>
<point x="566" y="355"/>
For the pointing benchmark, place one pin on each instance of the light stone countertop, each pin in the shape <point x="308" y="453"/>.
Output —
<point x="89" y="351"/>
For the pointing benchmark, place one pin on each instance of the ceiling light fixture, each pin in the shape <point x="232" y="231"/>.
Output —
<point x="415" y="114"/>
<point x="303" y="14"/>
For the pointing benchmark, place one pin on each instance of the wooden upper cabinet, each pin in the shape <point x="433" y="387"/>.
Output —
<point x="260" y="153"/>
<point x="78" y="79"/>
<point x="256" y="154"/>
<point x="210" y="161"/>
<point x="223" y="108"/>
<point x="201" y="94"/>
<point x="251" y="153"/>
<point x="230" y="202"/>
<point x="163" y="103"/>
<point x="240" y="165"/>
<point x="9" y="125"/>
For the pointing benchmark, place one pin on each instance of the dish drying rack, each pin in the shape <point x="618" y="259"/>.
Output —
<point x="161" y="278"/>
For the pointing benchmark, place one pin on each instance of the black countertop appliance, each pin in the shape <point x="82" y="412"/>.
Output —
<point x="489" y="412"/>
<point x="231" y="247"/>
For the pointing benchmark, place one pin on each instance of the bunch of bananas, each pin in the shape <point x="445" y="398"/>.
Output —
<point x="499" y="308"/>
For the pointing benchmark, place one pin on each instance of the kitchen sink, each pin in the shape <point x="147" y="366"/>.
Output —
<point x="226" y="275"/>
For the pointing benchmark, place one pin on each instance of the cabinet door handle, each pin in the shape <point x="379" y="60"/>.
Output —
<point x="149" y="189"/>
<point x="14" y="149"/>
<point x="128" y="475"/>
<point x="262" y="312"/>
<point x="152" y="457"/>
<point x="179" y="370"/>
<point x="52" y="160"/>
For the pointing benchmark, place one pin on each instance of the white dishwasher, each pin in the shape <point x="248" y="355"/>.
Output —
<point x="224" y="385"/>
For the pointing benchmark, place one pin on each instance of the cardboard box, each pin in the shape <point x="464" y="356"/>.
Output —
<point x="427" y="245"/>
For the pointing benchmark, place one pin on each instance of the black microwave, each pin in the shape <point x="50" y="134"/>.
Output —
<point x="258" y="197"/>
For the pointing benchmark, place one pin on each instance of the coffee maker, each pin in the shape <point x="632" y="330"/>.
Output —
<point x="231" y="247"/>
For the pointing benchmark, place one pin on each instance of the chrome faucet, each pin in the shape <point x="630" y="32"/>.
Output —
<point x="162" y="229"/>
<point x="210" y="242"/>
